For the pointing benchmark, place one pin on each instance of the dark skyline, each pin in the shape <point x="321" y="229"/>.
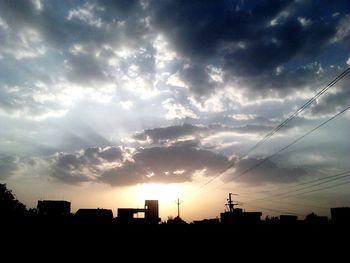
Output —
<point x="110" y="103"/>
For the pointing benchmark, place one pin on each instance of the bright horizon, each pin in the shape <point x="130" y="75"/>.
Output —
<point x="109" y="103"/>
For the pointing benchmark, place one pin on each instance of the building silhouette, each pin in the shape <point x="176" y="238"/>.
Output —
<point x="53" y="208"/>
<point x="288" y="218"/>
<point x="94" y="215"/>
<point x="131" y="215"/>
<point x="315" y="219"/>
<point x="340" y="214"/>
<point x="207" y="222"/>
<point x="237" y="215"/>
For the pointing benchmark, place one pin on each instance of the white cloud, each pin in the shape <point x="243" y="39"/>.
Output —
<point x="127" y="104"/>
<point x="226" y="98"/>
<point x="279" y="18"/>
<point x="77" y="49"/>
<point x="175" y="80"/>
<point x="279" y="70"/>
<point x="164" y="54"/>
<point x="38" y="4"/>
<point x="215" y="73"/>
<point x="243" y="117"/>
<point x="3" y="24"/>
<point x="305" y="22"/>
<point x="25" y="43"/>
<point x="177" y="111"/>
<point x="140" y="85"/>
<point x="86" y="13"/>
<point x="343" y="29"/>
<point x="35" y="104"/>
<point x="124" y="52"/>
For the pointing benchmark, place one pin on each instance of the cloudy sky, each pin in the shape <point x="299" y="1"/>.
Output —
<point x="109" y="103"/>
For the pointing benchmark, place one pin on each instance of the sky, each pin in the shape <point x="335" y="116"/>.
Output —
<point x="109" y="103"/>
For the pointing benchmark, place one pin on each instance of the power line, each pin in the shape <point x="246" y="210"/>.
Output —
<point x="292" y="143"/>
<point x="317" y="190"/>
<point x="276" y="210"/>
<point x="281" y="125"/>
<point x="335" y="179"/>
<point x="298" y="111"/>
<point x="325" y="188"/>
<point x="279" y="189"/>
<point x="282" y="202"/>
<point x="285" y="147"/>
<point x="287" y="194"/>
<point x="315" y="182"/>
<point x="303" y="183"/>
<point x="331" y="178"/>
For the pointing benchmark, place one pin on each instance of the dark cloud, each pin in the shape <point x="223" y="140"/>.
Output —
<point x="53" y="22"/>
<point x="83" y="166"/>
<point x="176" y="163"/>
<point x="247" y="39"/>
<point x="268" y="172"/>
<point x="168" y="133"/>
<point x="68" y="168"/>
<point x="18" y="13"/>
<point x="251" y="128"/>
<point x="82" y="139"/>
<point x="166" y="165"/>
<point x="282" y="82"/>
<point x="85" y="69"/>
<point x="198" y="28"/>
<point x="50" y="22"/>
<point x="8" y="166"/>
<point x="197" y="79"/>
<point x="96" y="24"/>
<point x="158" y="135"/>
<point x="122" y="8"/>
<point x="109" y="154"/>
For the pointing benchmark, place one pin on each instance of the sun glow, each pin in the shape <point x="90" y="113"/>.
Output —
<point x="165" y="193"/>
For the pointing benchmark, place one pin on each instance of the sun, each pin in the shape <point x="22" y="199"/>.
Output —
<point x="165" y="193"/>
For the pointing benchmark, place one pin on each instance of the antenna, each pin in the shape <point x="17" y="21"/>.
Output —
<point x="230" y="203"/>
<point x="178" y="202"/>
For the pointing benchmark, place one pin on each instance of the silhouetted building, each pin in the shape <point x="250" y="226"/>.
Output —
<point x="237" y="215"/>
<point x="340" y="214"/>
<point x="131" y="215"/>
<point x="152" y="210"/>
<point x="315" y="219"/>
<point x="53" y="208"/>
<point x="94" y="215"/>
<point x="176" y="221"/>
<point x="207" y="222"/>
<point x="288" y="218"/>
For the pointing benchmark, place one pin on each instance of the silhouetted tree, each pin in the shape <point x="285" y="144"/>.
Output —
<point x="9" y="205"/>
<point x="271" y="218"/>
<point x="311" y="217"/>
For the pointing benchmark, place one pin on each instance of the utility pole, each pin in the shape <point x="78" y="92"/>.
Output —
<point x="178" y="202"/>
<point x="230" y="202"/>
